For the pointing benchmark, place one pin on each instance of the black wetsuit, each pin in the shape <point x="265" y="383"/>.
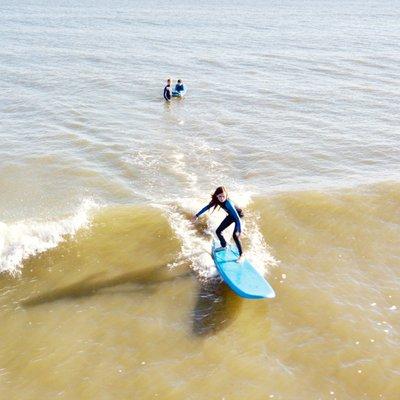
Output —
<point x="167" y="93"/>
<point x="234" y="215"/>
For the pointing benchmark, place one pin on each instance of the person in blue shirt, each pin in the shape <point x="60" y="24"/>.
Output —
<point x="179" y="87"/>
<point x="168" y="91"/>
<point x="220" y="198"/>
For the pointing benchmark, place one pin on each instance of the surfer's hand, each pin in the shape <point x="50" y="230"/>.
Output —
<point x="237" y="234"/>
<point x="194" y="219"/>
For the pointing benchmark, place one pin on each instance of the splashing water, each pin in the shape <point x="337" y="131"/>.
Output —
<point x="23" y="239"/>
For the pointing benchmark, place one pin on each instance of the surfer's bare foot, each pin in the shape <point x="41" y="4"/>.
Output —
<point x="240" y="259"/>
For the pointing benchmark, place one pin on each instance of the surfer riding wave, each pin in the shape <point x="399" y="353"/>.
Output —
<point x="220" y="198"/>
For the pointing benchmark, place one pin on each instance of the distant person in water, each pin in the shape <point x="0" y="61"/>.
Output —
<point x="168" y="91"/>
<point x="179" y="87"/>
<point x="220" y="198"/>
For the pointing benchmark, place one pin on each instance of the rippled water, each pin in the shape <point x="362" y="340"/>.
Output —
<point x="281" y="95"/>
<point x="292" y="105"/>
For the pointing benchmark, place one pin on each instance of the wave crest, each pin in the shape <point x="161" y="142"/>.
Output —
<point x="24" y="239"/>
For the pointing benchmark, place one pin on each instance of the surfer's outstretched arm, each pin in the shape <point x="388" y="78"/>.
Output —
<point x="202" y="211"/>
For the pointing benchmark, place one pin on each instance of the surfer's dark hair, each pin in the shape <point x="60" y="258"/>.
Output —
<point x="214" y="199"/>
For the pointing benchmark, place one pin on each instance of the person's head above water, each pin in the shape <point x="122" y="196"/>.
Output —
<point x="179" y="81"/>
<point x="219" y="196"/>
<point x="169" y="81"/>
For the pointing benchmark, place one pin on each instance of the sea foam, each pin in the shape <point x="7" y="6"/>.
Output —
<point x="23" y="239"/>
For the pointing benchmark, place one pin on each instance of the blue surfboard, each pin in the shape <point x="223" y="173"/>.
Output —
<point x="242" y="278"/>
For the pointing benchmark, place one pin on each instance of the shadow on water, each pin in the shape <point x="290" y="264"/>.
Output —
<point x="90" y="286"/>
<point x="216" y="308"/>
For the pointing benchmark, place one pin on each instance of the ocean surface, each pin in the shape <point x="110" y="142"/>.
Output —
<point x="108" y="290"/>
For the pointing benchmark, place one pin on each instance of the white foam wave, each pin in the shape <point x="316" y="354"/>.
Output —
<point x="194" y="247"/>
<point x="23" y="239"/>
<point x="258" y="252"/>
